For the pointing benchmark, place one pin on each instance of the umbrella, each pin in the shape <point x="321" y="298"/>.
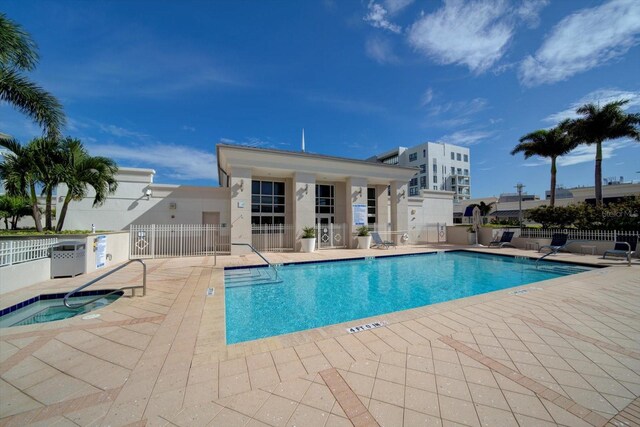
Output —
<point x="477" y="222"/>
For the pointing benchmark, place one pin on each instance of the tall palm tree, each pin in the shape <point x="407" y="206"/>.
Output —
<point x="18" y="53"/>
<point x="81" y="171"/>
<point x="47" y="156"/>
<point x="19" y="175"/>
<point x="551" y="144"/>
<point x="600" y="124"/>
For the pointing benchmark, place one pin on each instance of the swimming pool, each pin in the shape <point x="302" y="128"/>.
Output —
<point x="50" y="307"/>
<point x="312" y="295"/>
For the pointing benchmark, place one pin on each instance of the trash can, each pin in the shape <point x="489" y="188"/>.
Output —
<point x="68" y="258"/>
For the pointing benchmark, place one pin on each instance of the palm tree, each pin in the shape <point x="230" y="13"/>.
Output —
<point x="550" y="144"/>
<point x="599" y="124"/>
<point x="12" y="208"/>
<point x="82" y="170"/>
<point x="19" y="175"/>
<point x="47" y="156"/>
<point x="18" y="53"/>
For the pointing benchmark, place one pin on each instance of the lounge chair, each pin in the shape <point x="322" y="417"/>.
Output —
<point x="558" y="242"/>
<point x="379" y="243"/>
<point x="625" y="247"/>
<point x="505" y="240"/>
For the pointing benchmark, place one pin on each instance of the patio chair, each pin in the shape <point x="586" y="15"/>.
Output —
<point x="379" y="243"/>
<point x="505" y="240"/>
<point x="625" y="247"/>
<point x="558" y="242"/>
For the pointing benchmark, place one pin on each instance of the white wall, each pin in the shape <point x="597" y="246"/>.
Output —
<point x="18" y="276"/>
<point x="167" y="204"/>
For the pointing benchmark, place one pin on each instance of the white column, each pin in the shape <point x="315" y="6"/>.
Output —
<point x="382" y="207"/>
<point x="303" y="202"/>
<point x="240" y="186"/>
<point x="399" y="208"/>
<point x="355" y="193"/>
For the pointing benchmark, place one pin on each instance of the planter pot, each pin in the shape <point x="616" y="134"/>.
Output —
<point x="364" y="242"/>
<point x="308" y="245"/>
<point x="471" y="238"/>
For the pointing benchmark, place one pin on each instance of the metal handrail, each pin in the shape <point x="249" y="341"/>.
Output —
<point x="259" y="254"/>
<point x="97" y="279"/>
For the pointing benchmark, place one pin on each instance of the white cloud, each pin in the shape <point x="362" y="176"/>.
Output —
<point x="529" y="11"/>
<point x="380" y="50"/>
<point x="466" y="137"/>
<point x="601" y="96"/>
<point x="582" y="41"/>
<point x="459" y="108"/>
<point x="121" y="132"/>
<point x="181" y="162"/>
<point x="395" y="6"/>
<point x="583" y="154"/>
<point x="188" y="128"/>
<point x="472" y="34"/>
<point x="427" y="97"/>
<point x="377" y="17"/>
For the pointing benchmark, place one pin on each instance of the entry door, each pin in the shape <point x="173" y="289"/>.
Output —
<point x="324" y="226"/>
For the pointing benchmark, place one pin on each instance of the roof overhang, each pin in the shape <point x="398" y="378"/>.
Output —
<point x="284" y="164"/>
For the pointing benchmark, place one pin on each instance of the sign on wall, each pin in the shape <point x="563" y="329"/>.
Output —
<point x="101" y="251"/>
<point x="359" y="214"/>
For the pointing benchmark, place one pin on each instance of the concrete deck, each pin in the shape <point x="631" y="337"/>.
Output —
<point x="565" y="353"/>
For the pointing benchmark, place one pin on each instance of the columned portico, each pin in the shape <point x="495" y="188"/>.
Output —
<point x="296" y="190"/>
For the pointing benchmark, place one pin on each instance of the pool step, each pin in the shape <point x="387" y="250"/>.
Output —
<point x="249" y="277"/>
<point x="561" y="269"/>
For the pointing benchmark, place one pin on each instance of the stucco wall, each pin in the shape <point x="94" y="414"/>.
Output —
<point x="18" y="276"/>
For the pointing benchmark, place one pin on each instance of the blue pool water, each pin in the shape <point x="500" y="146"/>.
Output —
<point x="320" y="294"/>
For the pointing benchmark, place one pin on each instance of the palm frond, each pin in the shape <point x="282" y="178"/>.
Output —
<point x="17" y="49"/>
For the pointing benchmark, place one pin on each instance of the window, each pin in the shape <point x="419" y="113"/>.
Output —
<point x="393" y="160"/>
<point x="466" y="172"/>
<point x="325" y="197"/>
<point x="458" y="156"/>
<point x="423" y="168"/>
<point x="435" y="168"/>
<point x="413" y="182"/>
<point x="371" y="205"/>
<point x="459" y="171"/>
<point x="466" y="158"/>
<point x="435" y="179"/>
<point x="267" y="202"/>
<point x="413" y="157"/>
<point x="453" y="155"/>
<point x="424" y="153"/>
<point x="423" y="182"/>
<point x="413" y="191"/>
<point x="453" y="170"/>
<point x="435" y="187"/>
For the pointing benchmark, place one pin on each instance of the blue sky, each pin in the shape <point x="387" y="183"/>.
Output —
<point x="158" y="84"/>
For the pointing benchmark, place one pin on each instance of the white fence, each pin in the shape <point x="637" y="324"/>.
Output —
<point x="169" y="240"/>
<point x="273" y="238"/>
<point x="18" y="251"/>
<point x="604" y="235"/>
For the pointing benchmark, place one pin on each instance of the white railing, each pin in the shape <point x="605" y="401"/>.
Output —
<point x="273" y="238"/>
<point x="18" y="251"/>
<point x="177" y="240"/>
<point x="331" y="236"/>
<point x="426" y="233"/>
<point x="603" y="235"/>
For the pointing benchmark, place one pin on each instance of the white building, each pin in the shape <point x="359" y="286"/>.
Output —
<point x="442" y="167"/>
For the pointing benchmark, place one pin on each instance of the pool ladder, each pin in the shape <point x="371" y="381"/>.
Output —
<point x="97" y="279"/>
<point x="260" y="255"/>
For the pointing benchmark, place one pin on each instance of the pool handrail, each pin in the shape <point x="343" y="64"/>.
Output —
<point x="259" y="254"/>
<point x="109" y="273"/>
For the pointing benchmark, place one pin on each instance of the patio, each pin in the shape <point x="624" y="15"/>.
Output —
<point x="566" y="352"/>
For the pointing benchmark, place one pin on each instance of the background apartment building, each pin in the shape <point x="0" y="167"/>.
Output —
<point x="442" y="167"/>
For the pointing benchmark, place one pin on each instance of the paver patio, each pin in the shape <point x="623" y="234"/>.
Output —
<point x="565" y="353"/>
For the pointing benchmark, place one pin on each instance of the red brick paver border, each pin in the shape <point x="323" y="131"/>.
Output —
<point x="629" y="416"/>
<point x="356" y="412"/>
<point x="574" y="334"/>
<point x="540" y="390"/>
<point x="601" y="308"/>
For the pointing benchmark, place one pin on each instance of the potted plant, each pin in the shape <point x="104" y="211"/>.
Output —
<point x="364" y="238"/>
<point x="308" y="239"/>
